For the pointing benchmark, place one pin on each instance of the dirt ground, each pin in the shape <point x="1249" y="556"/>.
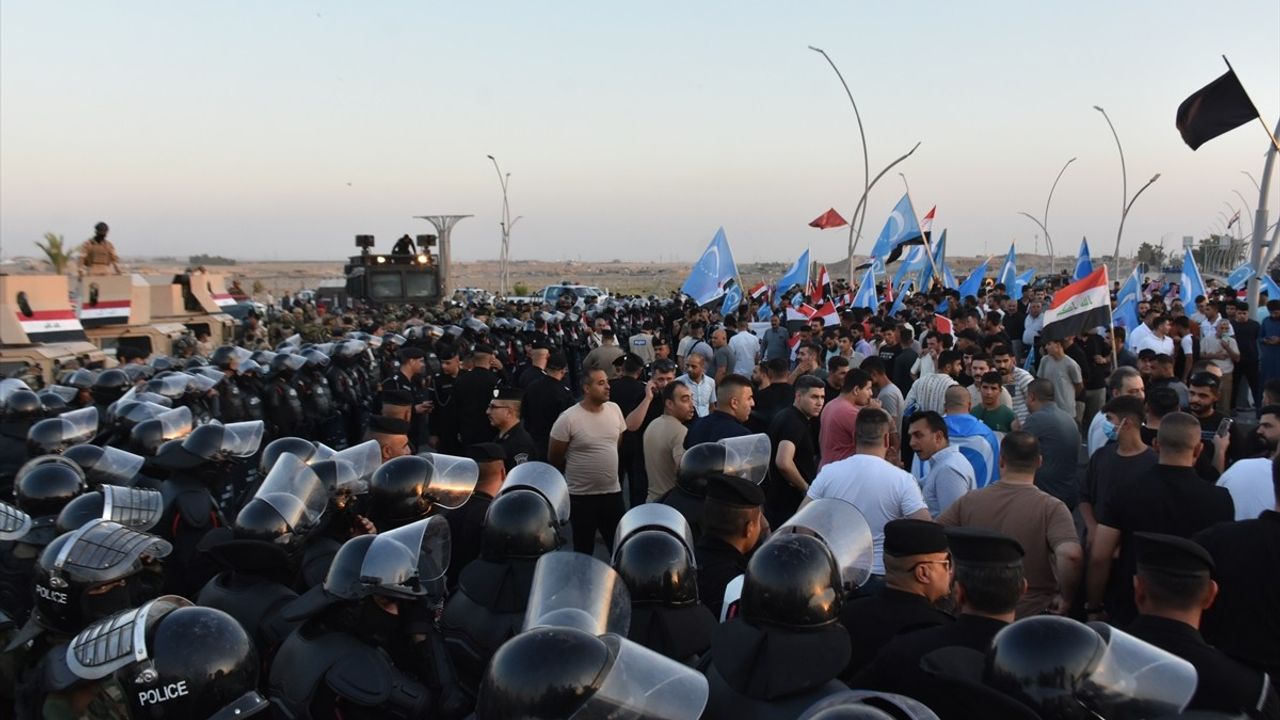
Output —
<point x="629" y="278"/>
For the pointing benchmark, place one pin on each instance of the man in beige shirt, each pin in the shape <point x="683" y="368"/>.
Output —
<point x="664" y="439"/>
<point x="1014" y="506"/>
<point x="584" y="446"/>
<point x="97" y="254"/>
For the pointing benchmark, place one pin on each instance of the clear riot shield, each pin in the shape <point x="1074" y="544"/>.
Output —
<point x="845" y="532"/>
<point x="575" y="590"/>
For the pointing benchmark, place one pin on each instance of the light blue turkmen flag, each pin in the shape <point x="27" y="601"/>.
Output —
<point x="866" y="296"/>
<point x="1241" y="276"/>
<point x="764" y="313"/>
<point x="1192" y="283"/>
<point x="1009" y="273"/>
<point x="900" y="229"/>
<point x="973" y="283"/>
<point x="1022" y="282"/>
<point x="715" y="268"/>
<point x="900" y="296"/>
<point x="1084" y="264"/>
<point x="940" y="260"/>
<point x="797" y="275"/>
<point x="732" y="299"/>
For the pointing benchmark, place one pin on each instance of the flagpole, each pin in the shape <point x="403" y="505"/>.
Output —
<point x="862" y="206"/>
<point x="1274" y="142"/>
<point x="1260" y="228"/>
<point x="928" y="248"/>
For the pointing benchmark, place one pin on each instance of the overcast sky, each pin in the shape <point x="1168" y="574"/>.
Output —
<point x="281" y="130"/>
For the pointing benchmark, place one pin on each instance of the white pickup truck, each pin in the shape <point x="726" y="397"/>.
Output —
<point x="551" y="293"/>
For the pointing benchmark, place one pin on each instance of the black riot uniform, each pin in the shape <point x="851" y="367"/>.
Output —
<point x="351" y="658"/>
<point x="784" y="651"/>
<point x="283" y="405"/>
<point x="193" y="662"/>
<point x="874" y="620"/>
<point x="1241" y="622"/>
<point x="19" y="409"/>
<point x="208" y="464"/>
<point x="444" y="413"/>
<point x="261" y="550"/>
<point x="745" y="457"/>
<point x="466" y="524"/>
<point x="249" y="379"/>
<point x="416" y="389"/>
<point x="1222" y="684"/>
<point x="43" y="488"/>
<point x="488" y="608"/>
<point x="653" y="552"/>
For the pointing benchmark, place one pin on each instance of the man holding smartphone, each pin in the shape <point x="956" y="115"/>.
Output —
<point x="1216" y="429"/>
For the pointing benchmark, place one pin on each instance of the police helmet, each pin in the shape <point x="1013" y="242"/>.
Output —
<point x="23" y="405"/>
<point x="109" y="386"/>
<point x="223" y="356"/>
<point x="45" y="485"/>
<point x="792" y="581"/>
<point x="105" y="465"/>
<point x="173" y="660"/>
<point x="518" y="524"/>
<point x="697" y="464"/>
<point x="81" y="379"/>
<point x="408" y="487"/>
<point x="135" y="508"/>
<point x="304" y="449"/>
<point x="543" y="674"/>
<point x="658" y="569"/>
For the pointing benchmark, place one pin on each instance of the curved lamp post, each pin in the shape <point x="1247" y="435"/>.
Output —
<point x="1126" y="203"/>
<point x="1044" y="224"/>
<point x="506" y="223"/>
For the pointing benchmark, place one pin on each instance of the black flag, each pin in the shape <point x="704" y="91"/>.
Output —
<point x="1216" y="108"/>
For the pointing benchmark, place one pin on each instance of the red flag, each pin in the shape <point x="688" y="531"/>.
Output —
<point x="828" y="219"/>
<point x="760" y="290"/>
<point x="926" y="224"/>
<point x="942" y="325"/>
<point x="888" y="292"/>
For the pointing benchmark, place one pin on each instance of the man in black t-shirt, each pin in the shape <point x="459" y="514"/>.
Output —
<point x="628" y="391"/>
<point x="773" y="398"/>
<point x="1246" y="370"/>
<point x="544" y="400"/>
<point x="794" y="439"/>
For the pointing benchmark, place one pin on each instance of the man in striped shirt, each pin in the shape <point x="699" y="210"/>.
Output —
<point x="1016" y="380"/>
<point x="930" y="391"/>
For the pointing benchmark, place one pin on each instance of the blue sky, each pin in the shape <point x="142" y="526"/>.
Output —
<point x="281" y="130"/>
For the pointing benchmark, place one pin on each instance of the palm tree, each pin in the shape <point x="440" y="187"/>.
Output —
<point x="53" y="249"/>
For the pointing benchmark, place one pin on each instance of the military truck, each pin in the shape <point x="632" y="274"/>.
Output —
<point x="40" y="335"/>
<point x="152" y="313"/>
<point x="393" y="278"/>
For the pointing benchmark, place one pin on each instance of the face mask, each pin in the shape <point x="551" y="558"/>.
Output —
<point x="1111" y="430"/>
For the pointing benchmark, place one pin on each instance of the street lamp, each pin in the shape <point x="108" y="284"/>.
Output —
<point x="866" y="161"/>
<point x="1250" y="176"/>
<point x="1044" y="224"/>
<point x="1247" y="211"/>
<point x="1125" y="201"/>
<point x="506" y="223"/>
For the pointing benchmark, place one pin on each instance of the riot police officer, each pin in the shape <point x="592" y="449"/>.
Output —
<point x="573" y="661"/>
<point x="206" y="466"/>
<point x="20" y="408"/>
<point x="82" y="576"/>
<point x="105" y="465"/>
<point x="521" y="525"/>
<point x="411" y="487"/>
<point x="746" y="457"/>
<point x="53" y="435"/>
<point x="653" y="552"/>
<point x="192" y="662"/>
<point x="135" y="508"/>
<point x="364" y="628"/>
<point x="320" y="418"/>
<point x="261" y="551"/>
<point x="785" y="649"/>
<point x="408" y="378"/>
<point x="283" y="406"/>
<point x="444" y="410"/>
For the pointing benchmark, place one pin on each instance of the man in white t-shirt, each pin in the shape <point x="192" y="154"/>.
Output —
<point x="880" y="491"/>
<point x="745" y="347"/>
<point x="584" y="446"/>
<point x="702" y="385"/>
<point x="1249" y="481"/>
<point x="1157" y="339"/>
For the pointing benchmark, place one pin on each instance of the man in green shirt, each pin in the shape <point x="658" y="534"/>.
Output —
<point x="994" y="415"/>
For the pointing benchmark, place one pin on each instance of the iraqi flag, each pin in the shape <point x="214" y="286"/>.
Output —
<point x="760" y="292"/>
<point x="827" y="314"/>
<point x="822" y="289"/>
<point x="1083" y="304"/>
<point x="926" y="224"/>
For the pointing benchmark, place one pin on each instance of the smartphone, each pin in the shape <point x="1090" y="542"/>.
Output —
<point x="1224" y="427"/>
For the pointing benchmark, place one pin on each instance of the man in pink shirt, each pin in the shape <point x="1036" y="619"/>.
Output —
<point x="835" y="429"/>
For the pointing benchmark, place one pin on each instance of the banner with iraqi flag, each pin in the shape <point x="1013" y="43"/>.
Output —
<point x="1085" y="303"/>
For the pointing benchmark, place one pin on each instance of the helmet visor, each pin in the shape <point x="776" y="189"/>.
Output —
<point x="9" y="386"/>
<point x="13" y="522"/>
<point x="294" y="490"/>
<point x="453" y="479"/>
<point x="401" y="562"/>
<point x="355" y="465"/>
<point x="747" y="457"/>
<point x="133" y="507"/>
<point x="65" y="392"/>
<point x="644" y="684"/>
<point x="653" y="516"/>
<point x="845" y="532"/>
<point x="116" y="466"/>
<point x="1136" y="679"/>
<point x="575" y="590"/>
<point x="119" y="640"/>
<point x="73" y="427"/>
<point x="241" y="439"/>
<point x="543" y="479"/>
<point x="103" y="551"/>
<point x="171" y="386"/>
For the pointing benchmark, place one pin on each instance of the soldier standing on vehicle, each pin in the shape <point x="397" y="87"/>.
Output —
<point x="97" y="253"/>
